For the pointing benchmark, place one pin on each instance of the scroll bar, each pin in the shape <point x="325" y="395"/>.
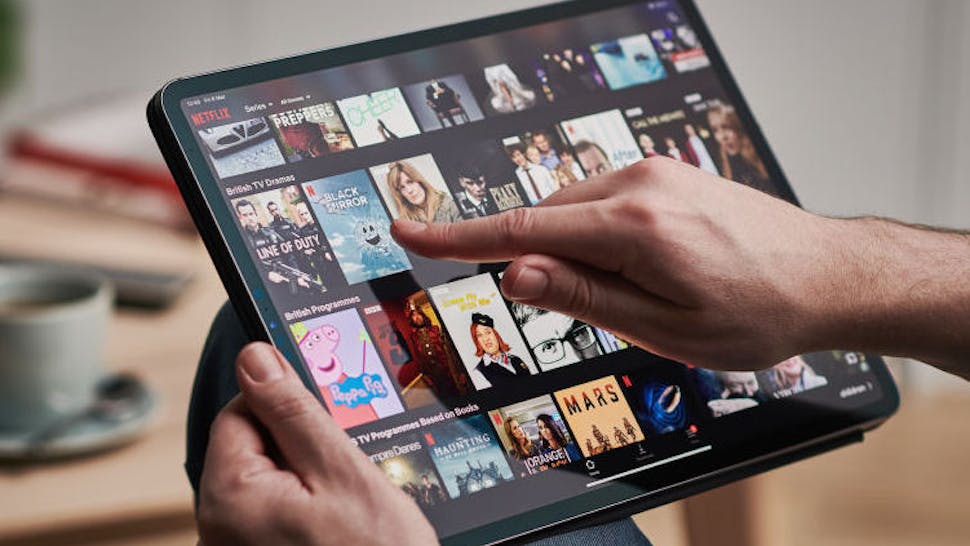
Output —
<point x="654" y="464"/>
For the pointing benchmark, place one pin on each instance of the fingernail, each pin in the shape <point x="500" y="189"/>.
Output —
<point x="529" y="284"/>
<point x="410" y="226"/>
<point x="261" y="364"/>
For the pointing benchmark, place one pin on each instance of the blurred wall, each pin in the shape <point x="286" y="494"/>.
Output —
<point x="864" y="101"/>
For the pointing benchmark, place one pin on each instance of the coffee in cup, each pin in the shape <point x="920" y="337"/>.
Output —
<point x="53" y="323"/>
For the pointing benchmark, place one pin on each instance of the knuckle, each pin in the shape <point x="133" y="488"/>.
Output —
<point x="289" y="407"/>
<point x="634" y="213"/>
<point x="647" y="169"/>
<point x="653" y="171"/>
<point x="444" y="233"/>
<point x="579" y="299"/>
<point x="514" y="223"/>
<point x="217" y="428"/>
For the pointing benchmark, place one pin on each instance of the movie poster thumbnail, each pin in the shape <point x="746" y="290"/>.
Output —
<point x="290" y="249"/>
<point x="534" y="436"/>
<point x="678" y="45"/>
<point x="628" y="61"/>
<point x="468" y="456"/>
<point x="790" y="377"/>
<point x="725" y="393"/>
<point x="311" y="131"/>
<point x="731" y="147"/>
<point x="484" y="333"/>
<point x="567" y="72"/>
<point x="417" y="351"/>
<point x="556" y="340"/>
<point x="610" y="342"/>
<point x="599" y="416"/>
<point x="661" y="402"/>
<point x="241" y="147"/>
<point x="408" y="465"/>
<point x="356" y="225"/>
<point x="443" y="102"/>
<point x="381" y="116"/>
<point x="602" y="142"/>
<point x="414" y="189"/>
<point x="674" y="135"/>
<point x="507" y="89"/>
<point x="346" y="368"/>
<point x="482" y="179"/>
<point x="544" y="163"/>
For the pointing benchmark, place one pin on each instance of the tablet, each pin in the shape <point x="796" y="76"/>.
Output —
<point x="501" y="420"/>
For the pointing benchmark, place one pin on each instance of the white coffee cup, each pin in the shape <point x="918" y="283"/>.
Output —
<point x="52" y="330"/>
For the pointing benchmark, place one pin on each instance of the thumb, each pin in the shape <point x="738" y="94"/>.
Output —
<point x="307" y="437"/>
<point x="595" y="296"/>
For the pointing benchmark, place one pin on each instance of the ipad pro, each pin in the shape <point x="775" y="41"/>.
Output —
<point x="294" y="169"/>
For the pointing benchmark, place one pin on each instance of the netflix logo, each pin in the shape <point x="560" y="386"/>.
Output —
<point x="219" y="114"/>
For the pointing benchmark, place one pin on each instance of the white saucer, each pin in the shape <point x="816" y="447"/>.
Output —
<point x="87" y="434"/>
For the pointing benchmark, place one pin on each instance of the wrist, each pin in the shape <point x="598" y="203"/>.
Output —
<point x="893" y="289"/>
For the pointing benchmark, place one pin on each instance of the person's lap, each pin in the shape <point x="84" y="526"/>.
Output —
<point x="215" y="385"/>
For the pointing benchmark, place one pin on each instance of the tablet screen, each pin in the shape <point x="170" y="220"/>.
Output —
<point x="479" y="408"/>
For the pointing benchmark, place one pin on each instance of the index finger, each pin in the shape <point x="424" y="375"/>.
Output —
<point x="573" y="231"/>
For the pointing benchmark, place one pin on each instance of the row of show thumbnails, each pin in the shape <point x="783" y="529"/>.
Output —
<point x="308" y="237"/>
<point x="446" y="342"/>
<point x="387" y="115"/>
<point x="644" y="411"/>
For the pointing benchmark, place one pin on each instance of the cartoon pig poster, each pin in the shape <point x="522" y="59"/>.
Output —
<point x="342" y="360"/>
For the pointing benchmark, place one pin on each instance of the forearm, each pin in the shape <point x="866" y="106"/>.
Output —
<point x="901" y="290"/>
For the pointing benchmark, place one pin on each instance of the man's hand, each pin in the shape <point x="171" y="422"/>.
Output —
<point x="297" y="478"/>
<point x="693" y="267"/>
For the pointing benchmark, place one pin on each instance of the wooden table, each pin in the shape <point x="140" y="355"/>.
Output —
<point x="139" y="489"/>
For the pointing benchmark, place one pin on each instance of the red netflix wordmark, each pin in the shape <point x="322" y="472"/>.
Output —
<point x="626" y="381"/>
<point x="429" y="438"/>
<point x="219" y="114"/>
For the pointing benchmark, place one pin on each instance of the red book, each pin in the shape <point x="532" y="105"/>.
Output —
<point x="100" y="155"/>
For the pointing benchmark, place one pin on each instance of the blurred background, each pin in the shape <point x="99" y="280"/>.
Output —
<point x="865" y="102"/>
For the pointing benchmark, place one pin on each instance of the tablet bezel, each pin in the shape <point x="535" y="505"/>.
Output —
<point x="827" y="428"/>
